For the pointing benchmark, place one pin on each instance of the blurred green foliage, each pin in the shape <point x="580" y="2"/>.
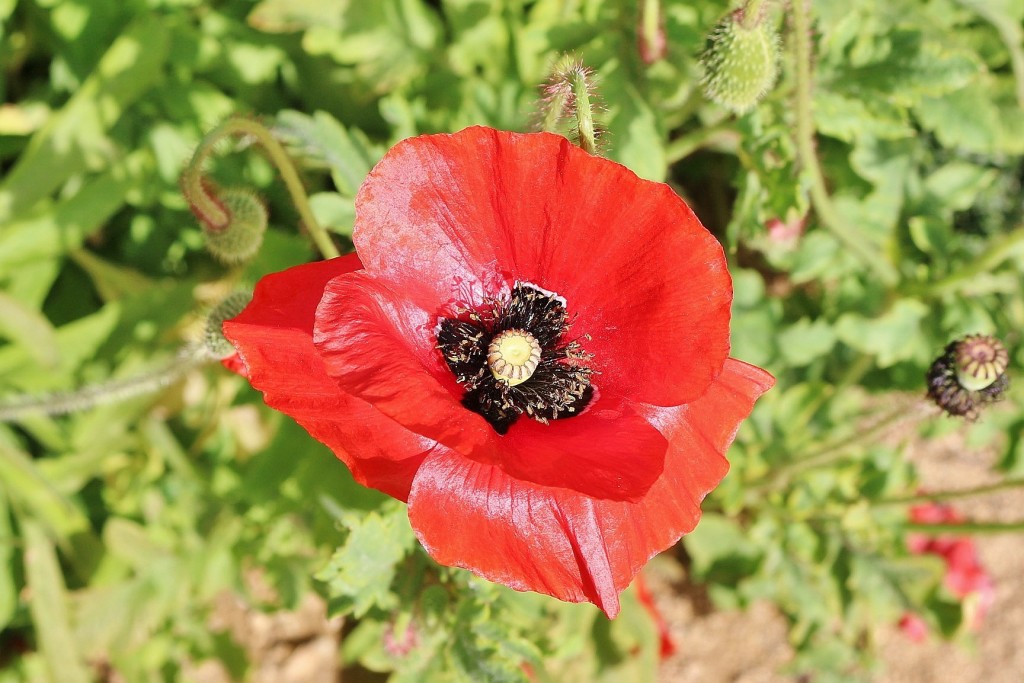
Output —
<point x="121" y="524"/>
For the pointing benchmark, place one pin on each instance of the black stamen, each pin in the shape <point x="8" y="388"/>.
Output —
<point x="464" y="345"/>
<point x="559" y="387"/>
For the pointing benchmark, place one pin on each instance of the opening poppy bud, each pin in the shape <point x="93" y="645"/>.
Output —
<point x="741" y="61"/>
<point x="242" y="237"/>
<point x="213" y="337"/>
<point x="969" y="374"/>
<point x="513" y="356"/>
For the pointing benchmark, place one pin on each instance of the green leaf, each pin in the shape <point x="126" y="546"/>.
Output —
<point x="819" y="256"/>
<point x="64" y="227"/>
<point x="75" y="138"/>
<point x="906" y="66"/>
<point x="963" y="118"/>
<point x="8" y="588"/>
<point x="113" y="282"/>
<point x="286" y="16"/>
<point x="884" y="587"/>
<point x="30" y="330"/>
<point x="387" y="41"/>
<point x="891" y="337"/>
<point x="637" y="141"/>
<point x="1012" y="461"/>
<point x="130" y="541"/>
<point x="49" y="609"/>
<point x="335" y="212"/>
<point x="930" y="234"/>
<point x="349" y="155"/>
<point x="35" y="496"/>
<point x="359" y="574"/>
<point x="956" y="185"/>
<point x="849" y="118"/>
<point x="805" y="341"/>
<point x="721" y="551"/>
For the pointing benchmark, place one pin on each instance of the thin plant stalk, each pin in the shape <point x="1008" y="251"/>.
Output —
<point x="206" y="203"/>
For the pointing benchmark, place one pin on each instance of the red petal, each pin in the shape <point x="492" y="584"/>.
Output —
<point x="914" y="627"/>
<point x="234" y="364"/>
<point x="274" y="337"/>
<point x="563" y="543"/>
<point x="667" y="644"/>
<point x="609" y="451"/>
<point x="447" y="215"/>
<point x="381" y="348"/>
<point x="528" y="537"/>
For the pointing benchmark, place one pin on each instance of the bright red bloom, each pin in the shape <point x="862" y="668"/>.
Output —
<point x="567" y="483"/>
<point x="966" y="578"/>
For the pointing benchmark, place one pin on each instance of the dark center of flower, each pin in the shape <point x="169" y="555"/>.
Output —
<point x="512" y="358"/>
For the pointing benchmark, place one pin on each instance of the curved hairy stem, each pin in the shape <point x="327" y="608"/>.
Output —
<point x="211" y="210"/>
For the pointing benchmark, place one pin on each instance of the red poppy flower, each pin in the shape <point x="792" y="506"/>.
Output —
<point x="966" y="577"/>
<point x="531" y="350"/>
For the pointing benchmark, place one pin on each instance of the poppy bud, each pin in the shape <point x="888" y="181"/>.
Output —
<point x="970" y="373"/>
<point x="241" y="238"/>
<point x="213" y="338"/>
<point x="740" y="62"/>
<point x="650" y="32"/>
<point x="570" y="91"/>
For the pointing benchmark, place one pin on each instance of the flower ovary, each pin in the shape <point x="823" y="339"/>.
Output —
<point x="968" y="375"/>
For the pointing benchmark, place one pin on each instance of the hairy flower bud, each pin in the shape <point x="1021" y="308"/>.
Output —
<point x="571" y="92"/>
<point x="740" y="63"/>
<point x="970" y="373"/>
<point x="242" y="237"/>
<point x="213" y="337"/>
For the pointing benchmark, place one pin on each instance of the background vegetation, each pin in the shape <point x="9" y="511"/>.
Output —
<point x="870" y="204"/>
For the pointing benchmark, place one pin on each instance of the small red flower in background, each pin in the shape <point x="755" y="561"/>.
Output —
<point x="531" y="349"/>
<point x="914" y="627"/>
<point x="966" y="578"/>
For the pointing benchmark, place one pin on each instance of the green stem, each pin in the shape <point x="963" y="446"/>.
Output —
<point x="651" y="17"/>
<point x="997" y="252"/>
<point x="966" y="527"/>
<point x="684" y="146"/>
<point x="837" y="450"/>
<point x="210" y="209"/>
<point x="678" y="113"/>
<point x="752" y="12"/>
<point x="584" y="111"/>
<point x="936" y="496"/>
<point x="853" y="374"/>
<point x="18" y="407"/>
<point x="805" y="132"/>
